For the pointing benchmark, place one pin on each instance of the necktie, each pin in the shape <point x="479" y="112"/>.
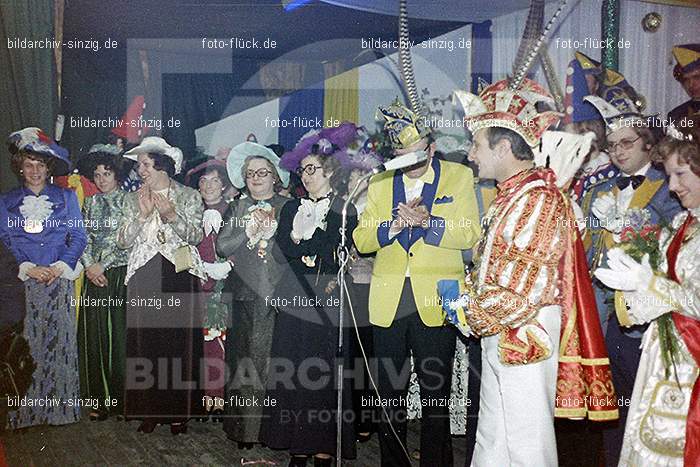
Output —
<point x="624" y="182"/>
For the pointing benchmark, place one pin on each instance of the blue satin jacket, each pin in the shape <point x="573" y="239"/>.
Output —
<point x="63" y="237"/>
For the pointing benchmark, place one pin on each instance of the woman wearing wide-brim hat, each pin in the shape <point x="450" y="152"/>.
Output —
<point x="41" y="224"/>
<point x="247" y="239"/>
<point x="305" y="337"/>
<point x="161" y="225"/>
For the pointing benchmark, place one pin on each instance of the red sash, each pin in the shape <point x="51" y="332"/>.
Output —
<point x="689" y="329"/>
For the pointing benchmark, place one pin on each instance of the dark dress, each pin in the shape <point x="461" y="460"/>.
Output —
<point x="301" y="381"/>
<point x="216" y="320"/>
<point x="164" y="310"/>
<point x="248" y="287"/>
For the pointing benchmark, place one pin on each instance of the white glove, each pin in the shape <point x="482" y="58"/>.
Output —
<point x="304" y="223"/>
<point x="212" y="221"/>
<point x="644" y="306"/>
<point x="605" y="209"/>
<point x="217" y="271"/>
<point x="625" y="273"/>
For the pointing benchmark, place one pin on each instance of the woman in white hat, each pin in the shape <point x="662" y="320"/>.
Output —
<point x="41" y="224"/>
<point x="162" y="225"/>
<point x="247" y="239"/>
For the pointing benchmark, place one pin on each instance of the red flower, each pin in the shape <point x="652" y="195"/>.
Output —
<point x="651" y="232"/>
<point x="627" y="234"/>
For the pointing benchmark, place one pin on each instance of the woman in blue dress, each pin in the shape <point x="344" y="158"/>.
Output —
<point x="42" y="225"/>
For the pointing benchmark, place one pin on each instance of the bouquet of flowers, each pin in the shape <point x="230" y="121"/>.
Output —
<point x="640" y="239"/>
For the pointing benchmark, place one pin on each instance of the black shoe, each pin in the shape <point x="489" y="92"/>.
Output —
<point x="147" y="426"/>
<point x="98" y="416"/>
<point x="297" y="461"/>
<point x="217" y="416"/>
<point x="323" y="462"/>
<point x="177" y="428"/>
<point x="242" y="445"/>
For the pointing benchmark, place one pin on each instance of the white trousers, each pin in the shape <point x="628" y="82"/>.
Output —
<point x="516" y="411"/>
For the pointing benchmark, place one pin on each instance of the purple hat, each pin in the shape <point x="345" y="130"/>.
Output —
<point x="333" y="141"/>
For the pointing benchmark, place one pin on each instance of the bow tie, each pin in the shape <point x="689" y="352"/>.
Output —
<point x="635" y="180"/>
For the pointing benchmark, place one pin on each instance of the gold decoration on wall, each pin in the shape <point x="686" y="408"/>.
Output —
<point x="651" y="22"/>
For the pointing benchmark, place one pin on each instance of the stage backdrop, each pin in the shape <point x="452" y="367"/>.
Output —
<point x="353" y="95"/>
<point x="647" y="63"/>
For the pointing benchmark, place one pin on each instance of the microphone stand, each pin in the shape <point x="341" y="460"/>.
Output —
<point x="342" y="260"/>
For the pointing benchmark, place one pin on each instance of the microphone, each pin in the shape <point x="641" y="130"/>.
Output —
<point x="407" y="160"/>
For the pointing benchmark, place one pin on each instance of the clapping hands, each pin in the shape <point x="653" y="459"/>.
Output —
<point x="411" y="214"/>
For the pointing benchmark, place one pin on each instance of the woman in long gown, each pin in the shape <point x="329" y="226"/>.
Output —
<point x="305" y="338"/>
<point x="663" y="426"/>
<point x="102" y="316"/>
<point x="43" y="228"/>
<point x="247" y="238"/>
<point x="161" y="226"/>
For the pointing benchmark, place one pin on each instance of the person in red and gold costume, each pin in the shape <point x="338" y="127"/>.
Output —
<point x="663" y="425"/>
<point x="530" y="298"/>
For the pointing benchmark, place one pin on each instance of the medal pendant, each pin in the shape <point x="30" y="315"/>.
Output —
<point x="33" y="226"/>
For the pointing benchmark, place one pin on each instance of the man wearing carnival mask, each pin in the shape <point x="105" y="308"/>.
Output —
<point x="417" y="220"/>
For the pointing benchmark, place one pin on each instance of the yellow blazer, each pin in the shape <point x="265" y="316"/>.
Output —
<point x="431" y="254"/>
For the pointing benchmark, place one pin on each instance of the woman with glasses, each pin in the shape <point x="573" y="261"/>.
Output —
<point x="305" y="338"/>
<point x="247" y="239"/>
<point x="41" y="224"/>
<point x="631" y="187"/>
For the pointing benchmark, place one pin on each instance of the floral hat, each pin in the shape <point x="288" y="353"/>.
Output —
<point x="33" y="139"/>
<point x="238" y="155"/>
<point x="96" y="155"/>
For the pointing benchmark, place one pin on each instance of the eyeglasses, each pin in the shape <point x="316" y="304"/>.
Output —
<point x="309" y="169"/>
<point x="624" y="144"/>
<point x="261" y="173"/>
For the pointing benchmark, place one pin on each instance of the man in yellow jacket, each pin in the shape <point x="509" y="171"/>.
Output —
<point x="418" y="220"/>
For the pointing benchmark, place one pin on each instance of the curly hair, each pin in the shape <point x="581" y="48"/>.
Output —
<point x="88" y="164"/>
<point x="163" y="163"/>
<point x="18" y="158"/>
<point x="688" y="152"/>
